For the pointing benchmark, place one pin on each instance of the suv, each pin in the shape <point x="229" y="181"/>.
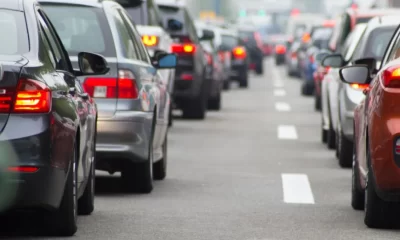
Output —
<point x="191" y="87"/>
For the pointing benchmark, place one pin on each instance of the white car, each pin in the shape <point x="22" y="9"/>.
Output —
<point x="156" y="39"/>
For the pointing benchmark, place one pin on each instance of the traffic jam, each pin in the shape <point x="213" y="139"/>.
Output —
<point x="136" y="119"/>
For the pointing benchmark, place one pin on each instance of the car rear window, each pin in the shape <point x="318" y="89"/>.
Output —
<point x="229" y="41"/>
<point x="246" y="35"/>
<point x="82" y="28"/>
<point x="322" y="33"/>
<point x="363" y="20"/>
<point x="377" y="42"/>
<point x="15" y="39"/>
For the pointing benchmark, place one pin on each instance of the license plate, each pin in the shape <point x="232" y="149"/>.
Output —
<point x="100" y="92"/>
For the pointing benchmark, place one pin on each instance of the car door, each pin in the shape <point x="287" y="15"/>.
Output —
<point x="64" y="71"/>
<point x="156" y="88"/>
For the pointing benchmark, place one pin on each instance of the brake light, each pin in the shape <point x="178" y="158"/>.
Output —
<point x="183" y="48"/>
<point x="258" y="39"/>
<point x="325" y="70"/>
<point x="280" y="49"/>
<point x="32" y="97"/>
<point x="359" y="86"/>
<point x="23" y="169"/>
<point x="123" y="87"/>
<point x="150" y="41"/>
<point x="293" y="55"/>
<point x="239" y="53"/>
<point x="209" y="59"/>
<point x="391" y="77"/>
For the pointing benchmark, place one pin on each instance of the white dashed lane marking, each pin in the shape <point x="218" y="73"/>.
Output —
<point x="287" y="132"/>
<point x="279" y="92"/>
<point x="282" y="107"/>
<point x="297" y="189"/>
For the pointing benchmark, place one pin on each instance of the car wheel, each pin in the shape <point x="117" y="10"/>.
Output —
<point x="378" y="213"/>
<point x="243" y="80"/>
<point x="86" y="202"/>
<point x="227" y="84"/>
<point x="317" y="103"/>
<point x="215" y="102"/>
<point x="260" y="68"/>
<point x="160" y="167"/>
<point x="65" y="218"/>
<point x="345" y="152"/>
<point x="170" y="117"/>
<point x="196" y="108"/>
<point x="331" y="136"/>
<point x="138" y="177"/>
<point x="324" y="133"/>
<point x="357" y="194"/>
<point x="306" y="90"/>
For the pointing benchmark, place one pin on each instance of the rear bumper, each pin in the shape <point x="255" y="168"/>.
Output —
<point x="280" y="58"/>
<point x="126" y="136"/>
<point x="188" y="89"/>
<point x="238" y="69"/>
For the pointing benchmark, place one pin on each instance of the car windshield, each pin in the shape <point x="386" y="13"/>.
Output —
<point x="15" y="41"/>
<point x="81" y="29"/>
<point x="229" y="41"/>
<point x="322" y="33"/>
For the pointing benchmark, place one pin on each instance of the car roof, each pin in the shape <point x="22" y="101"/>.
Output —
<point x="359" y="13"/>
<point x="153" y="30"/>
<point x="171" y="3"/>
<point x="382" y="21"/>
<point x="12" y="4"/>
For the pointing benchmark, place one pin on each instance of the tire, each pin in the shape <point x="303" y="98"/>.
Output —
<point x="306" y="90"/>
<point x="215" y="103"/>
<point x="260" y="68"/>
<point x="243" y="80"/>
<point x="357" y="194"/>
<point x="378" y="213"/>
<point x="195" y="109"/>
<point x="65" y="218"/>
<point x="331" y="137"/>
<point x="317" y="103"/>
<point x="138" y="177"/>
<point x="227" y="84"/>
<point x="170" y="117"/>
<point x="345" y="152"/>
<point x="160" y="167"/>
<point x="324" y="133"/>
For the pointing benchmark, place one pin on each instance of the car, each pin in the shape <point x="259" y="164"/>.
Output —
<point x="157" y="40"/>
<point x="280" y="52"/>
<point x="239" y="59"/>
<point x="329" y="101"/>
<point x="143" y="12"/>
<point x="253" y="43"/>
<point x="133" y="102"/>
<point x="329" y="88"/>
<point x="319" y="36"/>
<point x="216" y="67"/>
<point x="191" y="87"/>
<point x="318" y="76"/>
<point x="48" y="121"/>
<point x="375" y="172"/>
<point x="369" y="50"/>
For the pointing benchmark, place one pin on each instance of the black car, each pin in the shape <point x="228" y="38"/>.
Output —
<point x="253" y="42"/>
<point x="48" y="122"/>
<point x="191" y="87"/>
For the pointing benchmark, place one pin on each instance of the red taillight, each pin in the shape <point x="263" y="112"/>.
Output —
<point x="239" y="52"/>
<point x="359" y="86"/>
<point x="123" y="87"/>
<point x="397" y="147"/>
<point x="391" y="77"/>
<point x="183" y="48"/>
<point x="257" y="37"/>
<point x="293" y="55"/>
<point x="23" y="169"/>
<point x="280" y="49"/>
<point x="186" y="77"/>
<point x="312" y="60"/>
<point x="325" y="70"/>
<point x="209" y="59"/>
<point x="32" y="96"/>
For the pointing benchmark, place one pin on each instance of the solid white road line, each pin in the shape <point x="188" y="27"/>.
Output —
<point x="297" y="189"/>
<point x="287" y="132"/>
<point x="282" y="107"/>
<point x="279" y="93"/>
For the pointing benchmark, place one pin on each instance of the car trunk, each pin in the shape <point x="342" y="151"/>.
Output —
<point x="106" y="106"/>
<point x="10" y="68"/>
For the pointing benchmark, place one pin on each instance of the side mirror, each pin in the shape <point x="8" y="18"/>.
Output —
<point x="333" y="60"/>
<point x="358" y="74"/>
<point x="92" y="64"/>
<point x="174" y="25"/>
<point x="207" y="35"/>
<point x="165" y="61"/>
<point x="370" y="62"/>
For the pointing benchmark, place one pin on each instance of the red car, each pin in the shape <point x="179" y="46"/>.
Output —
<point x="376" y="161"/>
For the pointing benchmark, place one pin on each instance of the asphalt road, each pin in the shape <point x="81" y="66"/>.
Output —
<point x="254" y="171"/>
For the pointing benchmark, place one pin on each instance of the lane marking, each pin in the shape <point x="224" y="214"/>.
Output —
<point x="279" y="93"/>
<point x="297" y="189"/>
<point x="287" y="132"/>
<point x="278" y="84"/>
<point x="282" y="107"/>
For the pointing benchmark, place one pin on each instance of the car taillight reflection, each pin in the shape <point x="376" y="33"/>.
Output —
<point x="239" y="53"/>
<point x="280" y="49"/>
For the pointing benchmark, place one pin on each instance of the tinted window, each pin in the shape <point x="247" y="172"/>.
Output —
<point x="322" y="33"/>
<point x="14" y="39"/>
<point x="82" y="29"/>
<point x="229" y="41"/>
<point x="357" y="34"/>
<point x="363" y="19"/>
